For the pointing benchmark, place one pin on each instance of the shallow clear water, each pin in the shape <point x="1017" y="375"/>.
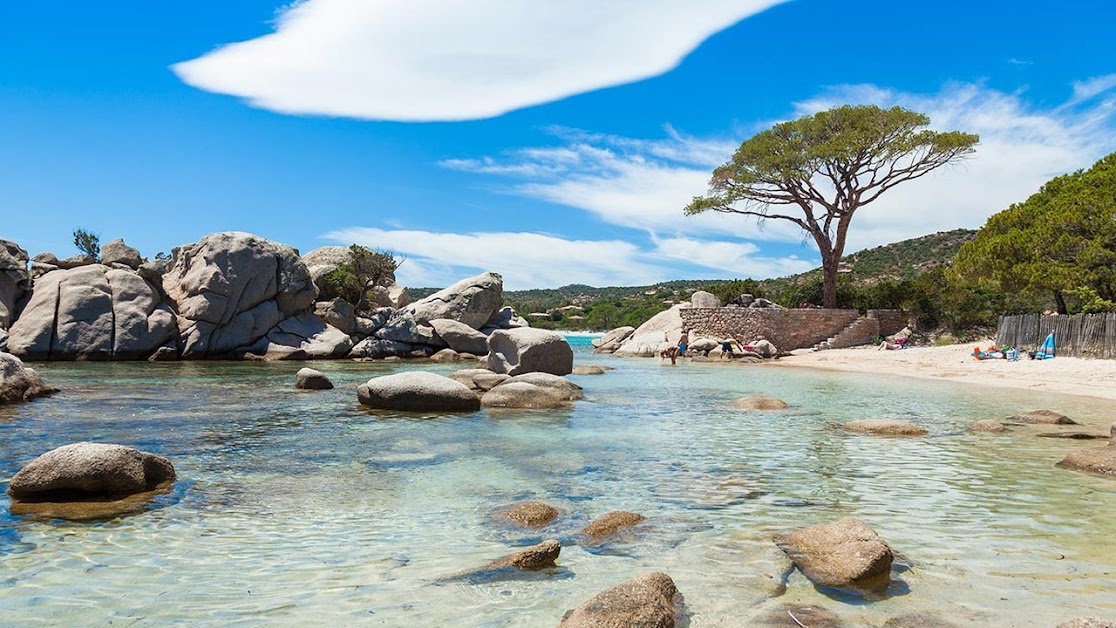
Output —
<point x="295" y="507"/>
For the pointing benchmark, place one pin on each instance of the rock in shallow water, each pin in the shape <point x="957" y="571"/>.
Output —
<point x="886" y="427"/>
<point x="20" y="383"/>
<point x="526" y="350"/>
<point x="418" y="391"/>
<point x="311" y="379"/>
<point x="533" y="558"/>
<point x="1088" y="622"/>
<point x="610" y="523"/>
<point x="529" y="514"/>
<point x="846" y="554"/>
<point x="797" y="616"/>
<point x="760" y="402"/>
<point x="648" y="601"/>
<point x="1043" y="417"/>
<point x="987" y="427"/>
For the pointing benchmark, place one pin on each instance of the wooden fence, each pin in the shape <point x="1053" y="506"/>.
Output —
<point x="1080" y="335"/>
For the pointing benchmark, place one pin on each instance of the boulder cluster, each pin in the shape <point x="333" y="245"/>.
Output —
<point x="467" y="390"/>
<point x="234" y="295"/>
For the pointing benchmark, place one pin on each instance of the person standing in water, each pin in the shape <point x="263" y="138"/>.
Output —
<point x="683" y="342"/>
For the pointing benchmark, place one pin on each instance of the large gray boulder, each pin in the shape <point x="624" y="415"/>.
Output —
<point x="231" y="288"/>
<point x="15" y="280"/>
<point x="373" y="348"/>
<point x="647" y="601"/>
<point x="472" y="301"/>
<point x="116" y="252"/>
<point x="505" y="318"/>
<point x="20" y="383"/>
<point x="460" y="337"/>
<point x="846" y="554"/>
<point x="525" y="350"/>
<point x="92" y="313"/>
<point x="338" y="313"/>
<point x="702" y="298"/>
<point x="324" y="260"/>
<point x="403" y="327"/>
<point x="662" y="329"/>
<point x="90" y="469"/>
<point x="418" y="391"/>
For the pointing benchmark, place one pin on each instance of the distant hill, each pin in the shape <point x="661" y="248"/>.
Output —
<point x="578" y="306"/>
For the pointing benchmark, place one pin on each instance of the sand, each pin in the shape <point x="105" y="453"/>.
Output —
<point x="953" y="363"/>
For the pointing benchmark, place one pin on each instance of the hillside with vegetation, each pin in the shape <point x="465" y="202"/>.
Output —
<point x="870" y="278"/>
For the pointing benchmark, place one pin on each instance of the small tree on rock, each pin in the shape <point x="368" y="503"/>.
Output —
<point x="366" y="269"/>
<point x="88" y="244"/>
<point x="823" y="167"/>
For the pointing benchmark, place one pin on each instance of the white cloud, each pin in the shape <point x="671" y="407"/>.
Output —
<point x="644" y="184"/>
<point x="533" y="260"/>
<point x="418" y="60"/>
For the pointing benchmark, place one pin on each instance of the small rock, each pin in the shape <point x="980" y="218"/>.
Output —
<point x="533" y="558"/>
<point x="765" y="349"/>
<point x="787" y="616"/>
<point x="1088" y="622"/>
<point x="647" y="601"/>
<point x="886" y="427"/>
<point x="446" y="355"/>
<point x="987" y="426"/>
<point x="610" y="523"/>
<point x="19" y="382"/>
<point x="529" y="514"/>
<point x="1099" y="460"/>
<point x="164" y="354"/>
<point x="845" y="554"/>
<point x="311" y="379"/>
<point x="1044" y="417"/>
<point x="589" y="369"/>
<point x="116" y="252"/>
<point x="760" y="402"/>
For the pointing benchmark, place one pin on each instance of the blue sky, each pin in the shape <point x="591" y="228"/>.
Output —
<point x="554" y="145"/>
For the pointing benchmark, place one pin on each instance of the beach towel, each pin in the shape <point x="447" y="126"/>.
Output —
<point x="1046" y="351"/>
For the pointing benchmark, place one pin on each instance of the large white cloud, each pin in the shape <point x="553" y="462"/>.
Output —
<point x="451" y="60"/>
<point x="645" y="183"/>
<point x="534" y="260"/>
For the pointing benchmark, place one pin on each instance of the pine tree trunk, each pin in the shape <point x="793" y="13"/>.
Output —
<point x="829" y="280"/>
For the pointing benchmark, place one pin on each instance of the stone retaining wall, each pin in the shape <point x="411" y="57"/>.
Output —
<point x="891" y="321"/>
<point x="787" y="329"/>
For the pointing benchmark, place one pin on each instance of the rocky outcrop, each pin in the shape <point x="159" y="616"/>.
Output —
<point x="116" y="252"/>
<point x="311" y="379"/>
<point x="886" y="427"/>
<point x="302" y="337"/>
<point x="527" y="350"/>
<point x="610" y="523"/>
<point x="418" y="391"/>
<point x="92" y="313"/>
<point x="1101" y="461"/>
<point x="846" y="554"/>
<point x="232" y="288"/>
<point x="648" y="339"/>
<point x="612" y="340"/>
<point x="760" y="402"/>
<point x="20" y="383"/>
<point x="1042" y="417"/>
<point x="528" y="514"/>
<point x="15" y="280"/>
<point x="460" y="337"/>
<point x="471" y="301"/>
<point x="647" y="601"/>
<point x="339" y="313"/>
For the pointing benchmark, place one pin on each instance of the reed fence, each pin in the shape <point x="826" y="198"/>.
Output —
<point x="1079" y="335"/>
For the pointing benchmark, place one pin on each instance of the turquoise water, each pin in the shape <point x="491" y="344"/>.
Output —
<point x="302" y="507"/>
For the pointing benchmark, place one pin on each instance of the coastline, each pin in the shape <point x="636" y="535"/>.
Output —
<point x="954" y="363"/>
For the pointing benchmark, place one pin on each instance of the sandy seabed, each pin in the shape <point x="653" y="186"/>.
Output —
<point x="954" y="363"/>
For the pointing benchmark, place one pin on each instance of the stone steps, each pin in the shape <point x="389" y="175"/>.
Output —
<point x="859" y="332"/>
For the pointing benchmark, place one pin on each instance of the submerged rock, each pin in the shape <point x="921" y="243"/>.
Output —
<point x="1101" y="460"/>
<point x="787" y="616"/>
<point x="846" y="554"/>
<point x="647" y="601"/>
<point x="418" y="391"/>
<point x="987" y="426"/>
<point x="760" y="402"/>
<point x="886" y="427"/>
<point x="529" y="514"/>
<point x="610" y="523"/>
<point x="590" y="369"/>
<point x="1088" y="622"/>
<point x="533" y="558"/>
<point x="1043" y="417"/>
<point x="917" y="620"/>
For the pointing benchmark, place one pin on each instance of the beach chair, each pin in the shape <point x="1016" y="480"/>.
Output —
<point x="1046" y="351"/>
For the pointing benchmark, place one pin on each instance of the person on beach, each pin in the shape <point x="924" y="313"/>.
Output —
<point x="726" y="348"/>
<point x="683" y="341"/>
<point x="671" y="352"/>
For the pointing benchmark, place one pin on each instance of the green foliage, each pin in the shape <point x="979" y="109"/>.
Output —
<point x="1058" y="242"/>
<point x="731" y="290"/>
<point x="88" y="244"/>
<point x="366" y="269"/>
<point x="825" y="166"/>
<point x="1087" y="301"/>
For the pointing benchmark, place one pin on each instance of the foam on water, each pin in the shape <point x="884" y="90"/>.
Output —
<point x="294" y="507"/>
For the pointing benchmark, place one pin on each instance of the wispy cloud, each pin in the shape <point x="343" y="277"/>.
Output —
<point x="644" y="184"/>
<point x="534" y="260"/>
<point x="418" y="60"/>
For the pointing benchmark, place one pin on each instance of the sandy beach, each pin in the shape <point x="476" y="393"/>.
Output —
<point x="1068" y="376"/>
